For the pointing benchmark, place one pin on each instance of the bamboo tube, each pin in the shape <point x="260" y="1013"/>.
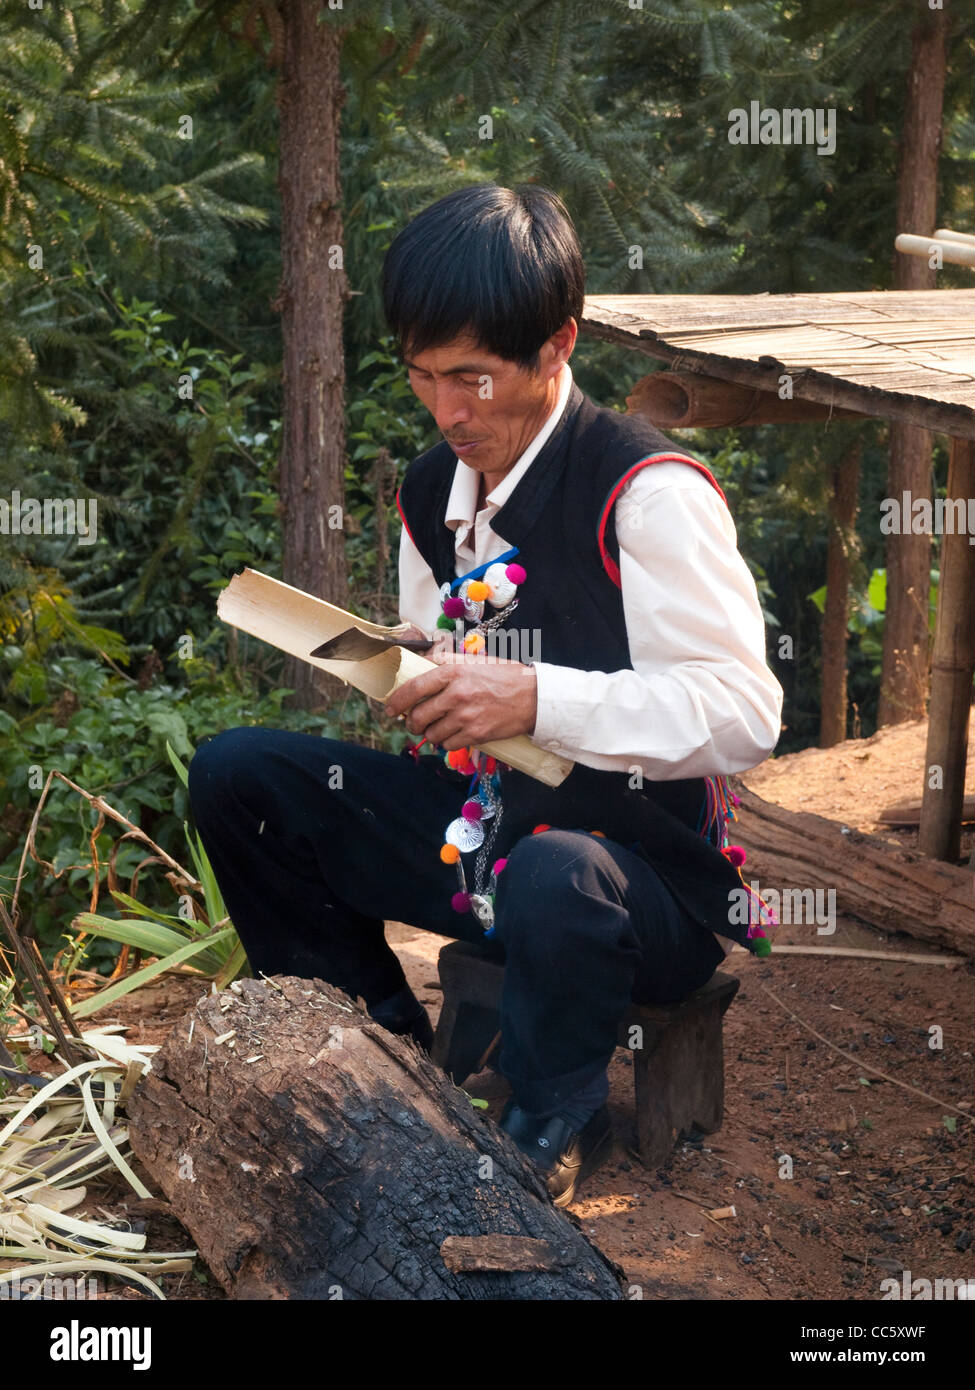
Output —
<point x="295" y="622"/>
<point x="685" y="400"/>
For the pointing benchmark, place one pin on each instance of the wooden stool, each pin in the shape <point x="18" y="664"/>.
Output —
<point x="678" y="1056"/>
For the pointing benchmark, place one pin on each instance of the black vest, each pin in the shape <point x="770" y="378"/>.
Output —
<point x="560" y="518"/>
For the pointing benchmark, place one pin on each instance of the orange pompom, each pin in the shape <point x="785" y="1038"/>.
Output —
<point x="474" y="643"/>
<point x="458" y="757"/>
<point x="450" y="854"/>
<point x="600" y="833"/>
<point x="478" y="590"/>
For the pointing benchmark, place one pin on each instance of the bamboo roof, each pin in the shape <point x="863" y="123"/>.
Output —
<point x="901" y="354"/>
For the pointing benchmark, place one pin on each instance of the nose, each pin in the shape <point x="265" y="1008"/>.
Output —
<point x="450" y="407"/>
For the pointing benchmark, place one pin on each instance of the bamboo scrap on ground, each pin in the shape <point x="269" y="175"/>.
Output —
<point x="313" y="1155"/>
<point x="885" y="886"/>
<point x="858" y="953"/>
<point x="66" y="1133"/>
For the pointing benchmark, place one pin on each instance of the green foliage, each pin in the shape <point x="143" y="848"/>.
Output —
<point x="115" y="746"/>
<point x="386" y="429"/>
<point x="208" y="943"/>
<point x="866" y="620"/>
<point x="96" y="179"/>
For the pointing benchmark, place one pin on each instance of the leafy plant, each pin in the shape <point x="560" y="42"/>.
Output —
<point x="867" y="609"/>
<point x="207" y="943"/>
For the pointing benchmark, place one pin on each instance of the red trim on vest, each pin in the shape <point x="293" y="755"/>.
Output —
<point x="402" y="516"/>
<point x="609" y="564"/>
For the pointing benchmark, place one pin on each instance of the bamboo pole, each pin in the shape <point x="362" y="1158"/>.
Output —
<point x="946" y="234"/>
<point x="954" y="252"/>
<point x="952" y="669"/>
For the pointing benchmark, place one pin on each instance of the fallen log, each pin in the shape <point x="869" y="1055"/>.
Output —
<point x="312" y="1155"/>
<point x="885" y="886"/>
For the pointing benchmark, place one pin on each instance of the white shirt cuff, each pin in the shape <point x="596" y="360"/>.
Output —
<point x="561" y="707"/>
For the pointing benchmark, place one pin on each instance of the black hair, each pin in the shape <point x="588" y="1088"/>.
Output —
<point x="502" y="264"/>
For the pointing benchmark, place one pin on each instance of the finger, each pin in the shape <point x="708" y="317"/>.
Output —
<point x="427" y="712"/>
<point x="411" y="692"/>
<point x="447" y="733"/>
<point x="443" y="656"/>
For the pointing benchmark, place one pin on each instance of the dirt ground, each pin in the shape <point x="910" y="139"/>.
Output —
<point x="839" y="1177"/>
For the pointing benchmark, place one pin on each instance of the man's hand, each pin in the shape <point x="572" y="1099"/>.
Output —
<point x="468" y="701"/>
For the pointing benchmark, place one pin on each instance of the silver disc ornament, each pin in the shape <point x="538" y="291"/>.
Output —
<point x="473" y="608"/>
<point x="465" y="834"/>
<point x="483" y="909"/>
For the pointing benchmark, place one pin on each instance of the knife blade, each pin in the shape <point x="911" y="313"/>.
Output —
<point x="356" y="645"/>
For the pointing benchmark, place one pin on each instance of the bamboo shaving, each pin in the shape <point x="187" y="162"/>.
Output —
<point x="54" y="1140"/>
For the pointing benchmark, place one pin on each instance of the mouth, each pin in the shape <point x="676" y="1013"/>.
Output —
<point x="464" y="446"/>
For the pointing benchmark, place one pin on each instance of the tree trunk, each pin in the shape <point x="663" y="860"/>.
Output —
<point x="844" y="489"/>
<point x="313" y="1155"/>
<point x="905" y="663"/>
<point x="313" y="291"/>
<point x="896" y="890"/>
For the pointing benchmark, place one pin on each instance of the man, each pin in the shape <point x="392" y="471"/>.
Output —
<point x="647" y="669"/>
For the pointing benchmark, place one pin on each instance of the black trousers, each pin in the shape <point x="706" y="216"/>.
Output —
<point x="315" y="842"/>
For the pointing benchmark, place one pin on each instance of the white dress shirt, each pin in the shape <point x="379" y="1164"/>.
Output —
<point x="700" y="700"/>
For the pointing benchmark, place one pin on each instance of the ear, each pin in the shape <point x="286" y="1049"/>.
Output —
<point x="558" y="349"/>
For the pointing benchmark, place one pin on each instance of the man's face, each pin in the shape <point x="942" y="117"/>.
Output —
<point x="488" y="408"/>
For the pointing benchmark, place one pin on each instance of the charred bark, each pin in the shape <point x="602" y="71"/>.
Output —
<point x="313" y="1155"/>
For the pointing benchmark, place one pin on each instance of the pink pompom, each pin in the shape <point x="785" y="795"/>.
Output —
<point x="468" y="769"/>
<point x="515" y="573"/>
<point x="461" y="902"/>
<point x="735" y="855"/>
<point x="472" y="810"/>
<point x="497" y="866"/>
<point x="453" y="607"/>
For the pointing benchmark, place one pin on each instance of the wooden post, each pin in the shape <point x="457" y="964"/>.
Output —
<point x="952" y="668"/>
<point x="844" y="488"/>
